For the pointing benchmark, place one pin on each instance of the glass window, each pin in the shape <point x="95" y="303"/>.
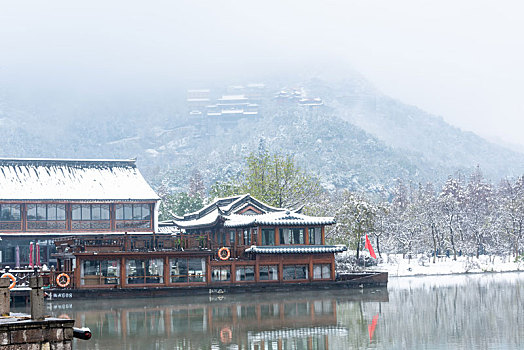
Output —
<point x="247" y="237"/>
<point x="315" y="235"/>
<point x="268" y="273"/>
<point x="104" y="212"/>
<point x="86" y="212"/>
<point x="291" y="236"/>
<point x="128" y="211"/>
<point x="232" y="237"/>
<point x="295" y="272"/>
<point x="146" y="212"/>
<point x="10" y="212"/>
<point x="60" y="212"/>
<point x="220" y="273"/>
<point x="322" y="271"/>
<point x="144" y="271"/>
<point x="95" y="212"/>
<point x="187" y="270"/>
<point x="137" y="212"/>
<point x="245" y="273"/>
<point x="268" y="236"/>
<point x="119" y="212"/>
<point x="45" y="212"/>
<point x="100" y="272"/>
<point x="76" y="212"/>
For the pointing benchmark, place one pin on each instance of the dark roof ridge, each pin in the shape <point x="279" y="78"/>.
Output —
<point x="67" y="161"/>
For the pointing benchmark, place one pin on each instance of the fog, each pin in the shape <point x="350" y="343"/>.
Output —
<point x="461" y="60"/>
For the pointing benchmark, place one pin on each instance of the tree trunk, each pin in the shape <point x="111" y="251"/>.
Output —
<point x="378" y="249"/>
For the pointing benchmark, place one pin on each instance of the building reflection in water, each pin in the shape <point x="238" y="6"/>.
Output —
<point x="302" y="320"/>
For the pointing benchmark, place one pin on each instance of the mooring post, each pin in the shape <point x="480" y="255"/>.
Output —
<point x="37" y="297"/>
<point x="5" y="296"/>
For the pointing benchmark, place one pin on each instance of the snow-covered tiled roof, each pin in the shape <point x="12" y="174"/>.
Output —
<point x="296" y="249"/>
<point x="225" y="209"/>
<point x="72" y="179"/>
<point x="282" y="218"/>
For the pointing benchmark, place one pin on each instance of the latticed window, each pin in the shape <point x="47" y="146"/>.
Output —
<point x="90" y="217"/>
<point x="10" y="217"/>
<point x="133" y="216"/>
<point x="46" y="217"/>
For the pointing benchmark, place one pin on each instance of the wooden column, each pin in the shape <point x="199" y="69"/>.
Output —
<point x="259" y="236"/>
<point x="167" y="273"/>
<point x="310" y="263"/>
<point x="306" y="239"/>
<point x="76" y="276"/>
<point x="323" y="236"/>
<point x="122" y="272"/>
<point x="277" y="236"/>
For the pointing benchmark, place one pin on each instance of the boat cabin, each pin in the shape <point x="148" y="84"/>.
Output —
<point x="234" y="240"/>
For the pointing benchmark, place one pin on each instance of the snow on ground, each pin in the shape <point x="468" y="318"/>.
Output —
<point x="421" y="265"/>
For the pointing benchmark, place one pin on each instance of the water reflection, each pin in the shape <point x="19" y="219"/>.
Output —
<point x="301" y="320"/>
<point x="446" y="312"/>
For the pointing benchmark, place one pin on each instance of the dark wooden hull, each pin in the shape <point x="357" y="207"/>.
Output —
<point x="356" y="280"/>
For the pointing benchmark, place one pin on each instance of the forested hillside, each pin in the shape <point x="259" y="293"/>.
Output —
<point x="358" y="139"/>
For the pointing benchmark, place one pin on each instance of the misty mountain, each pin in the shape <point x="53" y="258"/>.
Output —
<point x="357" y="138"/>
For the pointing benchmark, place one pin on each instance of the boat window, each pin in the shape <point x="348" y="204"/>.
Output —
<point x="268" y="273"/>
<point x="144" y="271"/>
<point x="9" y="212"/>
<point x="295" y="272"/>
<point x="46" y="217"/>
<point x="245" y="273"/>
<point x="187" y="270"/>
<point x="100" y="272"/>
<point x="322" y="271"/>
<point x="90" y="217"/>
<point x="10" y="217"/>
<point x="220" y="273"/>
<point x="133" y="216"/>
<point x="268" y="236"/>
<point x="291" y="236"/>
<point x="315" y="235"/>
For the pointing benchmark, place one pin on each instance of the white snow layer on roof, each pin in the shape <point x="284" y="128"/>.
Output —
<point x="48" y="179"/>
<point x="276" y="218"/>
<point x="206" y="220"/>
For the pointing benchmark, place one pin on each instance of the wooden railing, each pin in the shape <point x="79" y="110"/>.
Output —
<point x="50" y="277"/>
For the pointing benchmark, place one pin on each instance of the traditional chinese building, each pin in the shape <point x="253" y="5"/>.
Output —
<point x="46" y="199"/>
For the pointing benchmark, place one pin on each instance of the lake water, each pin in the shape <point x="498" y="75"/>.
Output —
<point x="446" y="312"/>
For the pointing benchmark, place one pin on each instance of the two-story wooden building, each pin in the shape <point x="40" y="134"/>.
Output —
<point x="45" y="199"/>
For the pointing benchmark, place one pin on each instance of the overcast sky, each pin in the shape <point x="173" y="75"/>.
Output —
<point x="462" y="60"/>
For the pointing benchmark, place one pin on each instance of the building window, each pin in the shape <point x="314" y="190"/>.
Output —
<point x="232" y="237"/>
<point x="321" y="271"/>
<point x="315" y="235"/>
<point x="100" y="272"/>
<point x="247" y="237"/>
<point x="245" y="273"/>
<point x="268" y="236"/>
<point x="295" y="272"/>
<point x="291" y="236"/>
<point x="144" y="271"/>
<point x="220" y="273"/>
<point x="268" y="273"/>
<point x="187" y="270"/>
<point x="133" y="216"/>
<point x="46" y="217"/>
<point x="90" y="217"/>
<point x="10" y="217"/>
